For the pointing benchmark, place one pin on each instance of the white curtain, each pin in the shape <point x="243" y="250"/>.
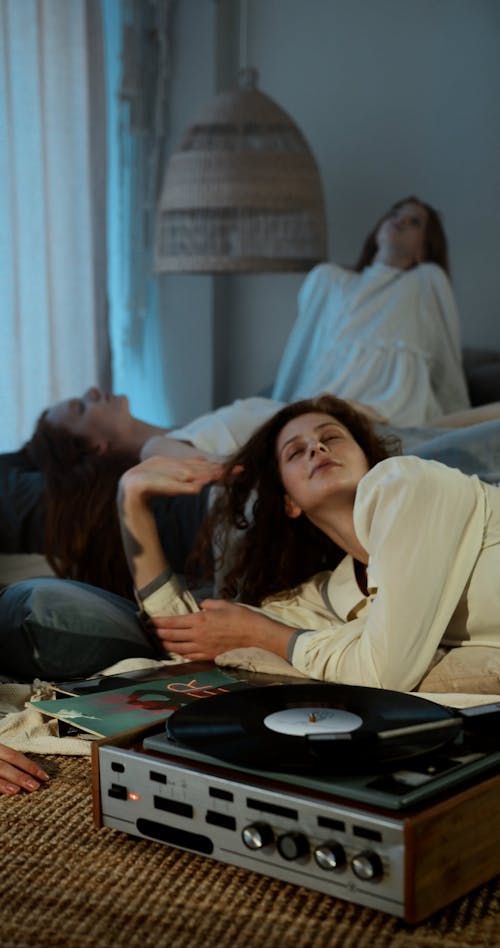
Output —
<point x="52" y="208"/>
<point x="137" y="43"/>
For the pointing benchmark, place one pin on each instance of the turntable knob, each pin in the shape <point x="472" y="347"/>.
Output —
<point x="293" y="846"/>
<point x="367" y="866"/>
<point x="330" y="855"/>
<point x="257" y="835"/>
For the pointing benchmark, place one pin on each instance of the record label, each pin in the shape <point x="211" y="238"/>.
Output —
<point x="312" y="720"/>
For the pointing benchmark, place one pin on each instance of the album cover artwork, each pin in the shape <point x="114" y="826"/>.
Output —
<point x="138" y="704"/>
<point x="99" y="683"/>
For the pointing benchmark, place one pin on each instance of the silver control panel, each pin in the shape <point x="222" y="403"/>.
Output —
<point x="339" y="849"/>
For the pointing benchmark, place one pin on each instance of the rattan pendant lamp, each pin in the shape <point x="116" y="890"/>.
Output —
<point x="242" y="193"/>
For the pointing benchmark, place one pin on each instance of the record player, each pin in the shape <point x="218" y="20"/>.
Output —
<point x="402" y="816"/>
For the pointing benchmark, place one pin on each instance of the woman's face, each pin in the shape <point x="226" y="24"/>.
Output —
<point x="319" y="461"/>
<point x="98" y="416"/>
<point x="403" y="232"/>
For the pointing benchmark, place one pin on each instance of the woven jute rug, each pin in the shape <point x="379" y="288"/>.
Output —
<point x="65" y="883"/>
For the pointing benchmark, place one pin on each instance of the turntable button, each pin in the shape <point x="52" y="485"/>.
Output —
<point x="330" y="855"/>
<point x="367" y="866"/>
<point x="293" y="846"/>
<point x="257" y="835"/>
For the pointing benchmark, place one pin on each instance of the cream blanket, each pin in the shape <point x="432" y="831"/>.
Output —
<point x="25" y="729"/>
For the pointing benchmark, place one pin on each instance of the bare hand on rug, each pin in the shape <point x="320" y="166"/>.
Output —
<point x="18" y="773"/>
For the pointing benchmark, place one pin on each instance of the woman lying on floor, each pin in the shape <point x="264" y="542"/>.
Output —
<point x="353" y="565"/>
<point x="82" y="445"/>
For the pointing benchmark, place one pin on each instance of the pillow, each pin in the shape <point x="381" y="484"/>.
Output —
<point x="60" y="629"/>
<point x="471" y="669"/>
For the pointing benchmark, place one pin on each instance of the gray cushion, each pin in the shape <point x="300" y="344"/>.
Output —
<point x="482" y="370"/>
<point x="58" y="629"/>
<point x="484" y="383"/>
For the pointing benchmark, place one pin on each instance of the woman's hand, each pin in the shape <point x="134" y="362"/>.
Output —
<point x="153" y="477"/>
<point x="18" y="773"/>
<point x="220" y="627"/>
<point x="168" y="476"/>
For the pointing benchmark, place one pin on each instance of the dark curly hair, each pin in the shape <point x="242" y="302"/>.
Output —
<point x="272" y="552"/>
<point x="435" y="237"/>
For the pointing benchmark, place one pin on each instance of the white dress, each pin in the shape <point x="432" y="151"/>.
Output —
<point x="386" y="337"/>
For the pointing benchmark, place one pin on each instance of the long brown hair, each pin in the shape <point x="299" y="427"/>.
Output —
<point x="82" y="530"/>
<point x="272" y="552"/>
<point x="436" y="245"/>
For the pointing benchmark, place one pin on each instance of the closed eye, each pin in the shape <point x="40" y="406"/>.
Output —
<point x="76" y="406"/>
<point x="295" y="453"/>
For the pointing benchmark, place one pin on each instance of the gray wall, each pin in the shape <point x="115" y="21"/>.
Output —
<point x="186" y="302"/>
<point x="394" y="97"/>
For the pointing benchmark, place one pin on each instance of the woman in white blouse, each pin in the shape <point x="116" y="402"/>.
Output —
<point x="353" y="565"/>
<point x="385" y="332"/>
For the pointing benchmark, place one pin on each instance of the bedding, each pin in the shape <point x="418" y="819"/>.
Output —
<point x="471" y="669"/>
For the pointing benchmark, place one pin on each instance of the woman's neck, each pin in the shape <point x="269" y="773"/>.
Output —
<point x="390" y="258"/>
<point x="338" y="525"/>
<point x="138" y="433"/>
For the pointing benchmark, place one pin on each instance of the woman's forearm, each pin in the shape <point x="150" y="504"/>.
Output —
<point x="145" y="557"/>
<point x="468" y="417"/>
<point x="155" y="477"/>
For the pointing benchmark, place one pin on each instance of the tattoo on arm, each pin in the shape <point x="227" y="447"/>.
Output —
<point x="131" y="546"/>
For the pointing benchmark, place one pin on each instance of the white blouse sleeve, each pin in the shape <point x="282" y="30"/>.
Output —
<point x="448" y="376"/>
<point x="422" y="524"/>
<point x="306" y="336"/>
<point x="225" y="430"/>
<point x="166" y="596"/>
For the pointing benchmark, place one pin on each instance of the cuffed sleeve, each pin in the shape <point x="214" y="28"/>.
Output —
<point x="166" y="596"/>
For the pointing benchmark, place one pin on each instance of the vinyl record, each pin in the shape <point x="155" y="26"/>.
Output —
<point x="321" y="728"/>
